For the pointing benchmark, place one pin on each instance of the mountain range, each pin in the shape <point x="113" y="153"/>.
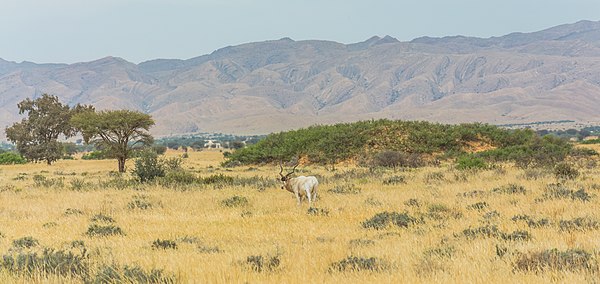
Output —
<point x="261" y="87"/>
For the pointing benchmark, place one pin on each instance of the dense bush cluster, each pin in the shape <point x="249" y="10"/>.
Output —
<point x="408" y="144"/>
<point x="11" y="158"/>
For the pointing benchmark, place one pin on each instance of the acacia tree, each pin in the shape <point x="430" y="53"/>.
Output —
<point x="116" y="132"/>
<point x="36" y="136"/>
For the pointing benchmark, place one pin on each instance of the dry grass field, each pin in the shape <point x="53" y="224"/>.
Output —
<point x="436" y="224"/>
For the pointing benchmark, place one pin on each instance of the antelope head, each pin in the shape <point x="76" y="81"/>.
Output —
<point x="286" y="178"/>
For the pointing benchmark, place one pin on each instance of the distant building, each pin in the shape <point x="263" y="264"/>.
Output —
<point x="212" y="144"/>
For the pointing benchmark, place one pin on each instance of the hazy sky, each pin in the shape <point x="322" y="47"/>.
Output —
<point x="69" y="31"/>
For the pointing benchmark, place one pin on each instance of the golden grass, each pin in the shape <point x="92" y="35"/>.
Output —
<point x="306" y="245"/>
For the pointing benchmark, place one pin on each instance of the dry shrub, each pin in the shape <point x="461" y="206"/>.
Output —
<point x="553" y="259"/>
<point x="355" y="263"/>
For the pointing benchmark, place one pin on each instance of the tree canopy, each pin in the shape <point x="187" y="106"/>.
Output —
<point x="116" y="132"/>
<point x="36" y="136"/>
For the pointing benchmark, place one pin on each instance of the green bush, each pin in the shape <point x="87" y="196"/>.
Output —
<point x="565" y="171"/>
<point x="401" y="143"/>
<point x="95" y="155"/>
<point x="148" y="167"/>
<point x="470" y="162"/>
<point x="11" y="158"/>
<point x="218" y="179"/>
<point x="179" y="177"/>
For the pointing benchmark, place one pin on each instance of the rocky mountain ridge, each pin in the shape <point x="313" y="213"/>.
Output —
<point x="261" y="87"/>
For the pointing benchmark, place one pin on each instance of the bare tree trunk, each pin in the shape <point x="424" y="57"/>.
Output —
<point x="121" y="164"/>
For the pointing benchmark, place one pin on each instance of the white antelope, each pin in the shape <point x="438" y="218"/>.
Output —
<point x="300" y="186"/>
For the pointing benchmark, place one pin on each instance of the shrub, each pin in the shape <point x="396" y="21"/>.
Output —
<point x="172" y="164"/>
<point x="412" y="202"/>
<point x="73" y="211"/>
<point x="102" y="218"/>
<point x="50" y="261"/>
<point x="317" y="211"/>
<point x="42" y="181"/>
<point x="259" y="263"/>
<point x="354" y="263"/>
<point x="473" y="193"/>
<point x="148" y="167"/>
<point x="579" y="224"/>
<point x="25" y="242"/>
<point x="442" y="212"/>
<point x="159" y="149"/>
<point x="361" y="242"/>
<point x="132" y="274"/>
<point x="218" y="179"/>
<point x="444" y="251"/>
<point x="534" y="174"/>
<point x="139" y="202"/>
<point x="394" y="159"/>
<point x="510" y="189"/>
<point x="385" y="219"/>
<point x="95" y="155"/>
<point x="434" y="177"/>
<point x="560" y="191"/>
<point x="394" y="180"/>
<point x="565" y="171"/>
<point x="470" y="162"/>
<point x="78" y="184"/>
<point x="553" y="259"/>
<point x="235" y="201"/>
<point x="484" y="231"/>
<point x="518" y="235"/>
<point x="11" y="158"/>
<point x="96" y="230"/>
<point x="345" y="189"/>
<point x="179" y="177"/>
<point x="531" y="222"/>
<point x="478" y="206"/>
<point x="209" y="249"/>
<point x="164" y="244"/>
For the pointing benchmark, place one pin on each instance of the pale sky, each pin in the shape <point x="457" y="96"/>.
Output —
<point x="68" y="31"/>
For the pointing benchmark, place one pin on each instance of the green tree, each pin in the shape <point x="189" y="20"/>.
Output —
<point x="36" y="136"/>
<point x="116" y="132"/>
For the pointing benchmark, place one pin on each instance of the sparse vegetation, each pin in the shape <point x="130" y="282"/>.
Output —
<point x="235" y="201"/>
<point x="386" y="219"/>
<point x="355" y="263"/>
<point x="370" y="224"/>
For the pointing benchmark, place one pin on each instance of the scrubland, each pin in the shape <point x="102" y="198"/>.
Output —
<point x="79" y="221"/>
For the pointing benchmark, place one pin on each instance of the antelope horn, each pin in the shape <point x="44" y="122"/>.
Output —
<point x="293" y="169"/>
<point x="281" y="171"/>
